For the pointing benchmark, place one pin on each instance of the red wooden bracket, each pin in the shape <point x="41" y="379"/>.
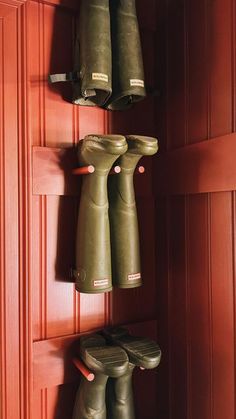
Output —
<point x="54" y="170"/>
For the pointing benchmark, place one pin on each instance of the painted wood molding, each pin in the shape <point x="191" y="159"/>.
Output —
<point x="52" y="172"/>
<point x="208" y="166"/>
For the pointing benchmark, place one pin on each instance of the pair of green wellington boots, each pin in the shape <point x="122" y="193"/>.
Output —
<point x="112" y="356"/>
<point x="108" y="64"/>
<point x="107" y="249"/>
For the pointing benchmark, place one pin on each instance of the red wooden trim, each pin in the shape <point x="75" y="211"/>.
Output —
<point x="12" y="347"/>
<point x="53" y="358"/>
<point x="208" y="166"/>
<point x="54" y="171"/>
<point x="53" y="361"/>
<point x="12" y="3"/>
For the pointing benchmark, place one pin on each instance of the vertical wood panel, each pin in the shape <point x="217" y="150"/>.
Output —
<point x="222" y="305"/>
<point x="176" y="77"/>
<point x="197" y="35"/>
<point x="209" y="95"/>
<point x="57" y="26"/>
<point x="199" y="308"/>
<point x="60" y="292"/>
<point x="163" y="385"/>
<point x="37" y="403"/>
<point x="9" y="205"/>
<point x="178" y="312"/>
<point x="37" y="137"/>
<point x="2" y="258"/>
<point x="220" y="66"/>
<point x="36" y="270"/>
<point x="60" y="401"/>
<point x="56" y="38"/>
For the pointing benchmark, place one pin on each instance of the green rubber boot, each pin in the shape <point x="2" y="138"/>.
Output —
<point x="141" y="352"/>
<point x="123" y="214"/>
<point x="92" y="75"/>
<point x="127" y="63"/>
<point x="93" y="62"/>
<point x="93" y="251"/>
<point x="119" y="396"/>
<point x="105" y="361"/>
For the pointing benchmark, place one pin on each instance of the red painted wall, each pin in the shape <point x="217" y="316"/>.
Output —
<point x="187" y="228"/>
<point x="41" y="314"/>
<point x="196" y="219"/>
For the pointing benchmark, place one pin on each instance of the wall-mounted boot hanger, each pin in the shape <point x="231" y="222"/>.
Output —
<point x="109" y="358"/>
<point x="87" y="170"/>
<point x="89" y="375"/>
<point x="54" y="171"/>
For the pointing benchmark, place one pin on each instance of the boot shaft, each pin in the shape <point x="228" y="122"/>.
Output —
<point x="119" y="396"/>
<point x="126" y="265"/>
<point x="90" y="399"/>
<point x="128" y="84"/>
<point x="105" y="361"/>
<point x="93" y="60"/>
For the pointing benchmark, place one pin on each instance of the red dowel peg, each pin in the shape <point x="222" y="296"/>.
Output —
<point x="86" y="170"/>
<point x="83" y="369"/>
<point x="141" y="169"/>
<point x="115" y="170"/>
<point x="142" y="369"/>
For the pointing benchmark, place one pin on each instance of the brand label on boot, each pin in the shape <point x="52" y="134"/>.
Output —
<point x="134" y="277"/>
<point x="100" y="76"/>
<point x="101" y="282"/>
<point x="136" y="82"/>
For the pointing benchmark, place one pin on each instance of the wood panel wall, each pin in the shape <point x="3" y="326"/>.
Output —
<point x="196" y="226"/>
<point x="41" y="314"/>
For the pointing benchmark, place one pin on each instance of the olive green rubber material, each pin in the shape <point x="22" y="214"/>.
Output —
<point x="126" y="270"/>
<point x="119" y="396"/>
<point x="92" y="60"/>
<point x="142" y="352"/>
<point x="104" y="361"/>
<point x="128" y="84"/>
<point x="93" y="249"/>
<point x="90" y="399"/>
